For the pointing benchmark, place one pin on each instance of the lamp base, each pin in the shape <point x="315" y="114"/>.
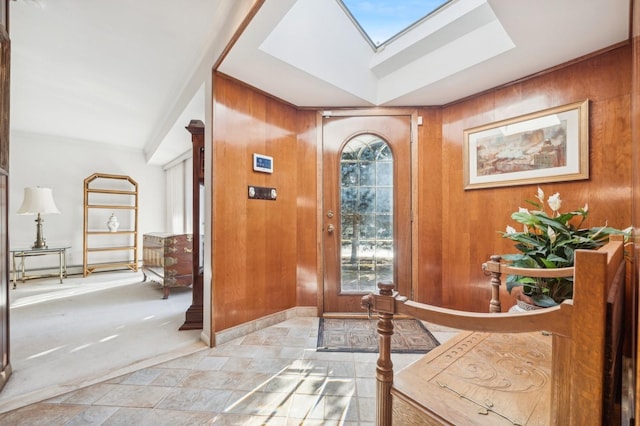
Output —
<point x="40" y="243"/>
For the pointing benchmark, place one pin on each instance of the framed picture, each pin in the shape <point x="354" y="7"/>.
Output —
<point x="546" y="146"/>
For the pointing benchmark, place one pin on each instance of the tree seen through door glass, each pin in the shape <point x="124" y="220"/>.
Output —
<point x="366" y="214"/>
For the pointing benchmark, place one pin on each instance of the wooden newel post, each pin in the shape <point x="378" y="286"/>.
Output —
<point x="384" y="371"/>
<point x="493" y="267"/>
<point x="384" y="304"/>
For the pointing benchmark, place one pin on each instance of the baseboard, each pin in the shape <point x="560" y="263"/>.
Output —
<point x="242" y="330"/>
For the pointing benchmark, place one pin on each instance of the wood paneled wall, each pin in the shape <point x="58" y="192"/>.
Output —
<point x="471" y="219"/>
<point x="307" y="210"/>
<point x="265" y="253"/>
<point x="632" y="342"/>
<point x="635" y="121"/>
<point x="254" y="246"/>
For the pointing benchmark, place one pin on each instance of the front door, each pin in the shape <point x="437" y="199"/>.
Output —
<point x="366" y="207"/>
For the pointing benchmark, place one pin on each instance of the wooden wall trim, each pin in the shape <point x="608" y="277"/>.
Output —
<point x="635" y="160"/>
<point x="320" y="208"/>
<point x="236" y="35"/>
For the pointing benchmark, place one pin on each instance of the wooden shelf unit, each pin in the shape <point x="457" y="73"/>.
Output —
<point x="102" y="184"/>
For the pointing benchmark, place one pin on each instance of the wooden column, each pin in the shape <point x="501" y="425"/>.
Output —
<point x="195" y="313"/>
<point x="384" y="370"/>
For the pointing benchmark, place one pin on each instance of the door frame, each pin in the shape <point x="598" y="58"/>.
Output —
<point x="414" y="123"/>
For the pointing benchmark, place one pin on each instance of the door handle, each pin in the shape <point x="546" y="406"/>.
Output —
<point x="330" y="228"/>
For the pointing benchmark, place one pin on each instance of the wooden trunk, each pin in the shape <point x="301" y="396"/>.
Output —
<point x="167" y="259"/>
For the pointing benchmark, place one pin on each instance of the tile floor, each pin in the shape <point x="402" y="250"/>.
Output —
<point x="270" y="377"/>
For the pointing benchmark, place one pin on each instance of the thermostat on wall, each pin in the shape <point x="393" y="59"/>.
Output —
<point x="262" y="163"/>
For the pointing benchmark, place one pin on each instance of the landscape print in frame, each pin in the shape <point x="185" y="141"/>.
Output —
<point x="546" y="146"/>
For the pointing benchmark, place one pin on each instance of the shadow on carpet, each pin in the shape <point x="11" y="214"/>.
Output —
<point x="361" y="335"/>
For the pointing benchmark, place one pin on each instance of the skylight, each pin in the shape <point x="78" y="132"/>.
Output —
<point x="381" y="20"/>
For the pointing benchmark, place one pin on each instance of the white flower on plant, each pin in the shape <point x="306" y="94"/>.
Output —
<point x="555" y="202"/>
<point x="511" y="230"/>
<point x="548" y="241"/>
<point x="540" y="195"/>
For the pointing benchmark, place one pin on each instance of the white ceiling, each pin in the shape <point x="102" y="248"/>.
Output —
<point x="132" y="72"/>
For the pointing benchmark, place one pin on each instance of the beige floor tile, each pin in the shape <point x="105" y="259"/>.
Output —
<point x="156" y="417"/>
<point x="41" y="414"/>
<point x="367" y="409"/>
<point x="259" y="403"/>
<point x="88" y="395"/>
<point x="344" y="407"/>
<point x="266" y="378"/>
<point x="188" y="399"/>
<point x="92" y="416"/>
<point x="170" y="377"/>
<point x="133" y="396"/>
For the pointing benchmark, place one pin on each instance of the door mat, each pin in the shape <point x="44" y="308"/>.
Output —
<point x="361" y="335"/>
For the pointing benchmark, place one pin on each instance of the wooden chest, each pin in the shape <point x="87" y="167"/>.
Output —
<point x="167" y="259"/>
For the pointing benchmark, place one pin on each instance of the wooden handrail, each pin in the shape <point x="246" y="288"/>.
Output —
<point x="496" y="268"/>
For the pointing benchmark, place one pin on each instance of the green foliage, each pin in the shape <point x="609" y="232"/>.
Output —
<point x="549" y="241"/>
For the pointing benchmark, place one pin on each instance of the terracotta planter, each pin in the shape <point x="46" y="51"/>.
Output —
<point x="525" y="303"/>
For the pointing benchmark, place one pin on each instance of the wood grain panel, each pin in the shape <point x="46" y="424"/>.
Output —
<point x="307" y="210"/>
<point x="254" y="241"/>
<point x="265" y="253"/>
<point x="473" y="218"/>
<point x="632" y="335"/>
<point x="429" y="192"/>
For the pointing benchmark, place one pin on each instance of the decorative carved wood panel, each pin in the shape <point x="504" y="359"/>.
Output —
<point x="477" y="380"/>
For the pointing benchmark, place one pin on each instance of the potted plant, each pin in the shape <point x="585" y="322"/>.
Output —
<point x="549" y="240"/>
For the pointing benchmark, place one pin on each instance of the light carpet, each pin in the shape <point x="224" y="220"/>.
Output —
<point x="66" y="336"/>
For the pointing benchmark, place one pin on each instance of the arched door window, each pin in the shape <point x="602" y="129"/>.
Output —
<point x="366" y="200"/>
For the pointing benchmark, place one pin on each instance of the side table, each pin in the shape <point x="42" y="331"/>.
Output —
<point x="23" y="253"/>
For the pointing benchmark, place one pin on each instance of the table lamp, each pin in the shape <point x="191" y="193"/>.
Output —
<point x="38" y="201"/>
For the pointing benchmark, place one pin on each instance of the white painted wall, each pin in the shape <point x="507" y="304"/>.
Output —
<point x="63" y="164"/>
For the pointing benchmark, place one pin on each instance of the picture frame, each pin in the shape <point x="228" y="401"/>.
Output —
<point x="551" y="145"/>
<point x="262" y="163"/>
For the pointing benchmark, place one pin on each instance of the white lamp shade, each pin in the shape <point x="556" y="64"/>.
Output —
<point x="38" y="200"/>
